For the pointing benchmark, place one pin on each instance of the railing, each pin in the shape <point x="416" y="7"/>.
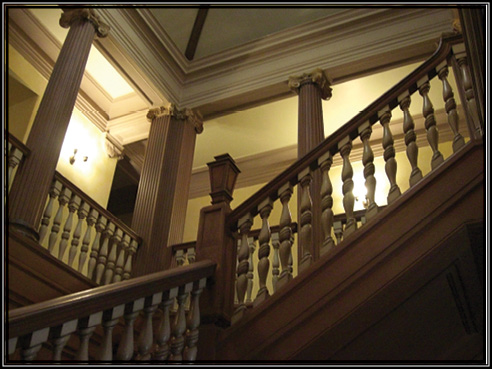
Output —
<point x="16" y="152"/>
<point x="53" y="322"/>
<point x="300" y="175"/>
<point x="183" y="254"/>
<point x="99" y="246"/>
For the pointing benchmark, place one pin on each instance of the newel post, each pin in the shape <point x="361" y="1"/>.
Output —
<point x="215" y="242"/>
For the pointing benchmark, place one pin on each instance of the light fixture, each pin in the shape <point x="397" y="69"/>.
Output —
<point x="72" y="158"/>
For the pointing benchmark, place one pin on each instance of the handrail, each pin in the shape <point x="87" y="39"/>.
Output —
<point x="390" y="98"/>
<point x="57" y="311"/>
<point x="15" y="142"/>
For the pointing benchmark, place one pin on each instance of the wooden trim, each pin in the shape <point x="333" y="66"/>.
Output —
<point x="15" y="142"/>
<point x="77" y="305"/>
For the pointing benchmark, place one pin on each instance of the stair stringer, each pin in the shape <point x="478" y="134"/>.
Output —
<point x="398" y="241"/>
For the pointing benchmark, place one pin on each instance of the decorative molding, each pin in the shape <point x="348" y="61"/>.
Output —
<point x="191" y="116"/>
<point x="112" y="147"/>
<point x="70" y="15"/>
<point x="318" y="77"/>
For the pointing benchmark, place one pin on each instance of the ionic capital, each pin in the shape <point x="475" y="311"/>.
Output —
<point x="186" y="114"/>
<point x="69" y="15"/>
<point x="318" y="77"/>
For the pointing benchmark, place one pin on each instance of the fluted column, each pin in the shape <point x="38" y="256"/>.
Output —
<point x="312" y="88"/>
<point x="33" y="179"/>
<point x="162" y="197"/>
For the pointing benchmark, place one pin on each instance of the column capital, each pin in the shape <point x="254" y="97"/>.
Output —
<point x="318" y="77"/>
<point x="192" y="116"/>
<point x="69" y="15"/>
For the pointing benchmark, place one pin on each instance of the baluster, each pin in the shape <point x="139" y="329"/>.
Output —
<point x="389" y="157"/>
<point x="100" y="227"/>
<point x="345" y="146"/>
<point x="86" y="327"/>
<point x="164" y="333"/>
<point x="146" y="338"/>
<point x="73" y="206"/>
<point x="365" y="131"/>
<point x="14" y="158"/>
<point x="110" y="264"/>
<point x="338" y="230"/>
<point x="127" y="271"/>
<point x="118" y="271"/>
<point x="59" y="337"/>
<point x="103" y="252"/>
<point x="453" y="118"/>
<point x="180" y="258"/>
<point x="190" y="255"/>
<point x="110" y="319"/>
<point x="285" y="235"/>
<point x="430" y="125"/>
<point x="55" y="228"/>
<point x="325" y="163"/>
<point x="179" y="325"/>
<point x="55" y="190"/>
<point x="244" y="224"/>
<point x="125" y="348"/>
<point x="31" y="344"/>
<point x="459" y="50"/>
<point x="193" y="321"/>
<point x="275" y="261"/>
<point x="305" y="233"/>
<point x="82" y="214"/>
<point x="264" y="251"/>
<point x="410" y="140"/>
<point x="91" y="220"/>
<point x="250" y="275"/>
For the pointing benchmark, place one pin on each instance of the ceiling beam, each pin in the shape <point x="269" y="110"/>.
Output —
<point x="196" y="32"/>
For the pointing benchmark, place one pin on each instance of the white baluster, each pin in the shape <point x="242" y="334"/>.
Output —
<point x="73" y="205"/>
<point x="91" y="220"/>
<point x="179" y="324"/>
<point x="59" y="337"/>
<point x="325" y="163"/>
<point x="127" y="271"/>
<point x="86" y="327"/>
<point x="14" y="158"/>
<point x="250" y="274"/>
<point x="285" y="236"/>
<point x="146" y="338"/>
<point x="306" y="217"/>
<point x="103" y="252"/>
<point x="100" y="227"/>
<point x="110" y="319"/>
<point x="31" y="343"/>
<point x="365" y="131"/>
<point x="124" y="246"/>
<point x="164" y="333"/>
<point x="275" y="261"/>
<point x="55" y="228"/>
<point x="82" y="214"/>
<point x="110" y="265"/>
<point x="55" y="191"/>
<point x="265" y="209"/>
<point x="125" y="349"/>
<point x="193" y="322"/>
<point x="389" y="156"/>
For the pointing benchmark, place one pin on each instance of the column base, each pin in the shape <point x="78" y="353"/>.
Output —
<point x="23" y="228"/>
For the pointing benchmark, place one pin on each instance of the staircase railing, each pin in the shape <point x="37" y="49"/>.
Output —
<point x="451" y="52"/>
<point x="53" y="322"/>
<point x="16" y="153"/>
<point x="86" y="236"/>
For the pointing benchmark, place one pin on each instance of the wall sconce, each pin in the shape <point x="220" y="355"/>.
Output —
<point x="72" y="158"/>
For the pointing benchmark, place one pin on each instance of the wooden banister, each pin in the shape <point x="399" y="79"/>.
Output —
<point x="55" y="312"/>
<point x="350" y="129"/>
<point x="15" y="142"/>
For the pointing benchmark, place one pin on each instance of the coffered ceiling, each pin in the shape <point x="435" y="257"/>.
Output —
<point x="224" y="59"/>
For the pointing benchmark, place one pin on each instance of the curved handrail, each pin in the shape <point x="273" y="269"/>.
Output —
<point x="57" y="311"/>
<point x="370" y="114"/>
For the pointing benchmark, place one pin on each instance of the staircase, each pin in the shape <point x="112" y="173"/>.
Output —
<point x="403" y="283"/>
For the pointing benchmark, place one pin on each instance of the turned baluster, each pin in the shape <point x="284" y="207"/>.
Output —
<point x="430" y="125"/>
<point x="127" y="271"/>
<point x="365" y="131"/>
<point x="345" y="146"/>
<point x="193" y="322"/>
<point x="125" y="349"/>
<point x="179" y="324"/>
<point x="275" y="261"/>
<point x="191" y="255"/>
<point x="14" y="158"/>
<point x="100" y="227"/>
<point x="82" y="214"/>
<point x="86" y="327"/>
<point x="91" y="220"/>
<point x="73" y="206"/>
<point x="179" y="257"/>
<point x="285" y="235"/>
<point x="325" y="163"/>
<point x="306" y="217"/>
<point x="59" y="337"/>
<point x="31" y="343"/>
<point x="389" y="156"/>
<point x="164" y="334"/>
<point x="450" y="106"/>
<point x="55" y="190"/>
<point x="265" y="209"/>
<point x="103" y="252"/>
<point x="244" y="224"/>
<point x="124" y="246"/>
<point x="250" y="274"/>
<point x="55" y="228"/>
<point x="110" y="319"/>
<point x="110" y="264"/>
<point x="410" y="140"/>
<point x="338" y="230"/>
<point x="146" y="338"/>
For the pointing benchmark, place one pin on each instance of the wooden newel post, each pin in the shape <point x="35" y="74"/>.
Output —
<point x="215" y="242"/>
